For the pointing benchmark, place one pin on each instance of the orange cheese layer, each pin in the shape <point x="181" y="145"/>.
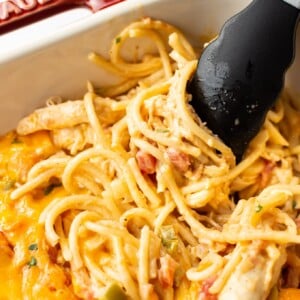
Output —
<point x="29" y="268"/>
<point x="289" y="294"/>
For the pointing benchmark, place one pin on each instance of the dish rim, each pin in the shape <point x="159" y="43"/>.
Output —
<point x="75" y="28"/>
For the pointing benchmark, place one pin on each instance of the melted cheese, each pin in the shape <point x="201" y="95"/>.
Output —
<point x="29" y="268"/>
<point x="289" y="294"/>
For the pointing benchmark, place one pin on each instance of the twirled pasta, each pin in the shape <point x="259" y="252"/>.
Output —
<point x="147" y="199"/>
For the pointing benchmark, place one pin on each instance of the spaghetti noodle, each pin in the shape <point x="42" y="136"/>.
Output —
<point x="127" y="193"/>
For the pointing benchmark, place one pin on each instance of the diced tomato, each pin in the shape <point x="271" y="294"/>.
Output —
<point x="167" y="270"/>
<point x="297" y="221"/>
<point x="204" y="293"/>
<point x="267" y="173"/>
<point x="149" y="292"/>
<point x="146" y="162"/>
<point x="179" y="159"/>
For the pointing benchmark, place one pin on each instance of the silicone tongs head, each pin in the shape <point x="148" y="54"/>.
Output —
<point x="241" y="73"/>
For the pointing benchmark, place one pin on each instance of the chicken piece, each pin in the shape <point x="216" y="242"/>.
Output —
<point x="69" y="114"/>
<point x="73" y="139"/>
<point x="256" y="274"/>
<point x="62" y="115"/>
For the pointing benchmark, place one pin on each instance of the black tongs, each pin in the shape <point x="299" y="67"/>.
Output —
<point x="241" y="73"/>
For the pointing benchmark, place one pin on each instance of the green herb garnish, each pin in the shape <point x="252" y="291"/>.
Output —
<point x="169" y="238"/>
<point x="258" y="208"/>
<point x="32" y="262"/>
<point x="118" y="40"/>
<point x="162" y="130"/>
<point x="33" y="247"/>
<point x="294" y="204"/>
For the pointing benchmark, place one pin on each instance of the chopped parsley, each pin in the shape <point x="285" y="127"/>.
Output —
<point x="33" y="247"/>
<point x="169" y="238"/>
<point x="258" y="208"/>
<point x="162" y="130"/>
<point x="294" y="204"/>
<point x="32" y="262"/>
<point x="118" y="40"/>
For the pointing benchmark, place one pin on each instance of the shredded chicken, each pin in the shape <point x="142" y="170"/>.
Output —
<point x="73" y="139"/>
<point x="68" y="114"/>
<point x="256" y="274"/>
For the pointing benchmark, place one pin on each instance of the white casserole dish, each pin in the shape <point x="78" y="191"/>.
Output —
<point x="57" y="63"/>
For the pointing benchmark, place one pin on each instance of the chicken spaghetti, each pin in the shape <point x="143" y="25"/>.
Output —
<point x="126" y="194"/>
